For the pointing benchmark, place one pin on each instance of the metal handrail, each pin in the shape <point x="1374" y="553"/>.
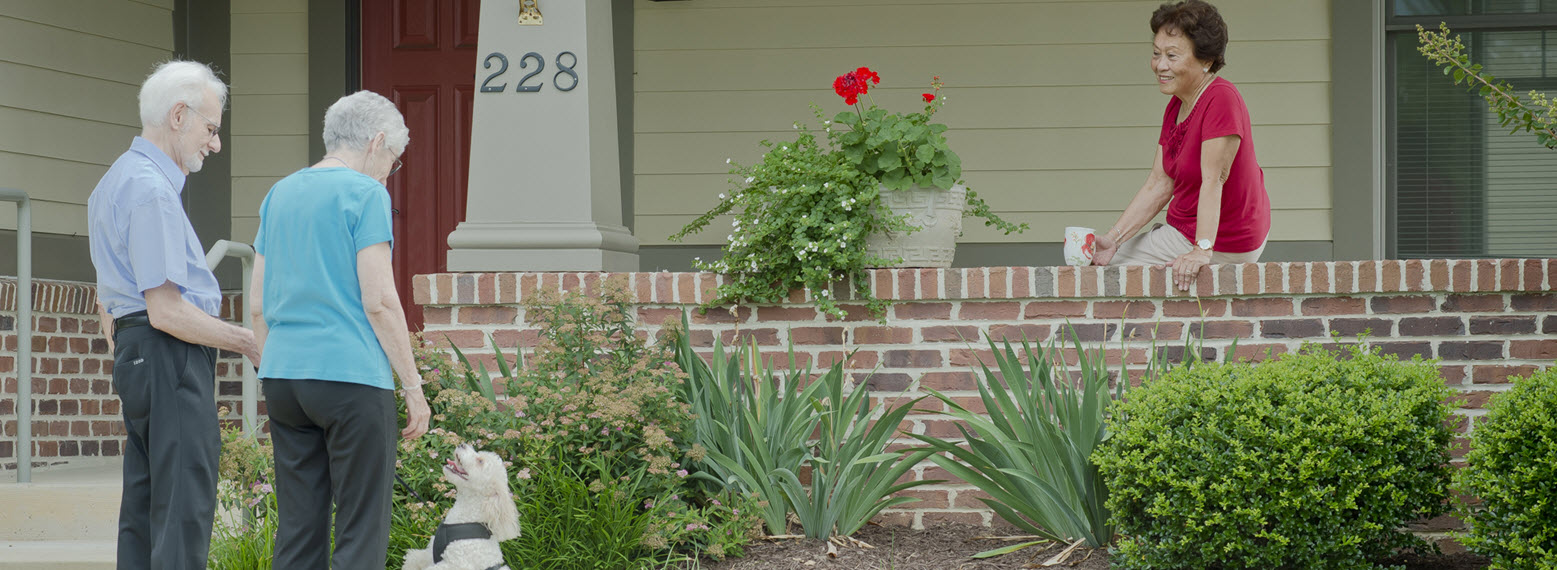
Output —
<point x="23" y="331"/>
<point x="220" y="250"/>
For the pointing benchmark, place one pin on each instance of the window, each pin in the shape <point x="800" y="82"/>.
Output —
<point x="1460" y="185"/>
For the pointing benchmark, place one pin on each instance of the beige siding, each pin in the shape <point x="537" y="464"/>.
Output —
<point x="69" y="73"/>
<point x="1050" y="102"/>
<point x="269" y="102"/>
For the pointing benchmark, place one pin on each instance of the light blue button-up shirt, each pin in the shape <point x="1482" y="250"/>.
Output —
<point x="140" y="236"/>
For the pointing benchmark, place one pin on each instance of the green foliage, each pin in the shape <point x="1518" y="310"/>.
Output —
<point x="1537" y="116"/>
<point x="853" y="476"/>
<point x="593" y="402"/>
<point x="244" y="535"/>
<point x="802" y="214"/>
<point x="1313" y="460"/>
<point x="751" y="430"/>
<point x="1511" y="468"/>
<point x="580" y="520"/>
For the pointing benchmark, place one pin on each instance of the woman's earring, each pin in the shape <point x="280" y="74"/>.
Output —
<point x="1206" y="69"/>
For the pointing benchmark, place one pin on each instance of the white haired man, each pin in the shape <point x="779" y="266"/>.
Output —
<point x="159" y="306"/>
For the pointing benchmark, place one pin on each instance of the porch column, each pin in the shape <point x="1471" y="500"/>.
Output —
<point x="545" y="191"/>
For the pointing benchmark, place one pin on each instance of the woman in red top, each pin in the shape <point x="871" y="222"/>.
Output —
<point x="1205" y="172"/>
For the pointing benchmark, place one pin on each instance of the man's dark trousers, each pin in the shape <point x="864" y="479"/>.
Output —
<point x="167" y="388"/>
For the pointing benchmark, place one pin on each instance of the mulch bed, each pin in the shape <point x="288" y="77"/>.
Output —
<point x="948" y="547"/>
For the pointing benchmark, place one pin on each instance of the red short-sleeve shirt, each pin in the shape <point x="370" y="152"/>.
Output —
<point x="1245" y="206"/>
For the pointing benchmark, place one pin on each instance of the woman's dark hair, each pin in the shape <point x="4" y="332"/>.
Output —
<point x="1199" y="21"/>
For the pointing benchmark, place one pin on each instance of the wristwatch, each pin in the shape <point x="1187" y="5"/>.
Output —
<point x="1204" y="244"/>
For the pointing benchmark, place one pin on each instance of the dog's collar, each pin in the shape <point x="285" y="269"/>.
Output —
<point x="448" y="533"/>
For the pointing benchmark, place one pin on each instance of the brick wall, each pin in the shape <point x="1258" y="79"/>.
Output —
<point x="1486" y="320"/>
<point x="75" y="412"/>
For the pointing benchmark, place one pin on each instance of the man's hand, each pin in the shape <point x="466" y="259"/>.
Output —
<point x="1186" y="268"/>
<point x="249" y="348"/>
<point x="417" y="414"/>
<point x="1103" y="250"/>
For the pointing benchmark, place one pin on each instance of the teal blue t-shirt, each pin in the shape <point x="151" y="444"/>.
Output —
<point x="312" y="224"/>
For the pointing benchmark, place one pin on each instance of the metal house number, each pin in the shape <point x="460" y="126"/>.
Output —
<point x="565" y="79"/>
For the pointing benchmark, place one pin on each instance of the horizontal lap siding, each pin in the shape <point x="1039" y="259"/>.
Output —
<point x="1050" y="104"/>
<point x="68" y="85"/>
<point x="269" y="103"/>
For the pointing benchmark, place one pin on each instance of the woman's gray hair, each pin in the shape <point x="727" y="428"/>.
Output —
<point x="177" y="82"/>
<point x="355" y="119"/>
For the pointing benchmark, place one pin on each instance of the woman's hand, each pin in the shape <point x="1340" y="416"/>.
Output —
<point x="1186" y="268"/>
<point x="1103" y="250"/>
<point x="417" y="413"/>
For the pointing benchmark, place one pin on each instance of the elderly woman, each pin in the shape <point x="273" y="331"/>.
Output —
<point x="1205" y="171"/>
<point x="328" y="316"/>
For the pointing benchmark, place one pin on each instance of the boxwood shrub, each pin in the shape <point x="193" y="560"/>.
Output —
<point x="1512" y="469"/>
<point x="1313" y="460"/>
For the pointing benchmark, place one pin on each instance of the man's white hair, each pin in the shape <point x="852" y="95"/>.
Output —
<point x="355" y="119"/>
<point x="177" y="82"/>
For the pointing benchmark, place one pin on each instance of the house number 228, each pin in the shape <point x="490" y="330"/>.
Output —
<point x="565" y="79"/>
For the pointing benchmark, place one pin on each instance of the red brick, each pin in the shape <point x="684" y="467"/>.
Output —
<point x="948" y="381"/>
<point x="851" y="313"/>
<point x="1018" y="333"/>
<point x="905" y="284"/>
<point x="1368" y="276"/>
<point x="1275" y="279"/>
<point x="1406" y="350"/>
<point x="929" y="284"/>
<point x="1259" y="352"/>
<point x="1432" y="326"/>
<point x="1065" y="281"/>
<point x="928" y="498"/>
<point x="1292" y="328"/>
<point x="950" y="333"/>
<point x="1087" y="277"/>
<point x="1389" y="276"/>
<point x="1544" y="302"/>
<point x="1021" y="282"/>
<point x="769" y="314"/>
<point x="997" y="283"/>
<point x="1334" y="306"/>
<point x="437" y="315"/>
<point x="1475" y="399"/>
<point x="922" y="311"/>
<point x="971" y="357"/>
<point x="1123" y="309"/>
<point x="725" y="315"/>
<point x="658" y="316"/>
<point x="1345" y="277"/>
<point x="1438" y="275"/>
<point x="1500" y="374"/>
<point x="1508" y="270"/>
<point x="881" y="283"/>
<point x="1458" y="303"/>
<point x="489" y="315"/>
<point x="1152" y="331"/>
<point x="1416" y="275"/>
<point x="976" y="280"/>
<point x="1054" y="309"/>
<point x="1502" y="325"/>
<point x="883" y="335"/>
<point x="763" y="337"/>
<point x="911" y="358"/>
<point x="1263" y="307"/>
<point x="1533" y="349"/>
<point x="931" y="518"/>
<point x="1297" y="278"/>
<point x="1157" y="281"/>
<point x="953" y="283"/>
<point x="1319" y="278"/>
<point x="816" y="335"/>
<point x="990" y="311"/>
<point x="1477" y="350"/>
<point x="1402" y="305"/>
<point x="894" y="382"/>
<point x="1222" y="329"/>
<point x="486" y="288"/>
<point x="1370" y="327"/>
<point x="1534" y="275"/>
<point x="1487" y="275"/>
<point x="1194" y="308"/>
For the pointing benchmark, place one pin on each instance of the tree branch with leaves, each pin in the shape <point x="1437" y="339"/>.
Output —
<point x="1537" y="115"/>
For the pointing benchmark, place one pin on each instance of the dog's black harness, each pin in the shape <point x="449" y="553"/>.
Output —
<point x="448" y="533"/>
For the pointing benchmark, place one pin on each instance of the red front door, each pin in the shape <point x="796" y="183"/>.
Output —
<point x="421" y="54"/>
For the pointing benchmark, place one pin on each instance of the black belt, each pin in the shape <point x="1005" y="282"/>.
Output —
<point x="135" y="319"/>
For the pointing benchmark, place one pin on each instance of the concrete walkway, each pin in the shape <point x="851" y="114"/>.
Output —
<point x="67" y="517"/>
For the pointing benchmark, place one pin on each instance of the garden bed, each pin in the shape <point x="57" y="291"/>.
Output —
<point x="948" y="546"/>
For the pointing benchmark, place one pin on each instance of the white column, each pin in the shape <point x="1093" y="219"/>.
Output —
<point x="545" y="174"/>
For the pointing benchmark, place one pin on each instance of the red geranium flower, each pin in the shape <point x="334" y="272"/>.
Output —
<point x="849" y="86"/>
<point x="928" y="97"/>
<point x="865" y="73"/>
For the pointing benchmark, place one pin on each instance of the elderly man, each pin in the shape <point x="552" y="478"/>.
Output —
<point x="159" y="305"/>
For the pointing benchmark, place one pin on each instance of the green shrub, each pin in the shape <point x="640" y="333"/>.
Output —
<point x="1511" y="468"/>
<point x="1313" y="460"/>
<point x="244" y="535"/>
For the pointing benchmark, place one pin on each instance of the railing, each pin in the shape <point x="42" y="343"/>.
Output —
<point x="23" y="331"/>
<point x="220" y="250"/>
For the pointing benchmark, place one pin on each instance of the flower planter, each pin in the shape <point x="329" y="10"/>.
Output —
<point x="937" y="213"/>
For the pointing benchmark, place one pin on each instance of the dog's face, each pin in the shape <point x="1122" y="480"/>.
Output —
<point x="480" y="472"/>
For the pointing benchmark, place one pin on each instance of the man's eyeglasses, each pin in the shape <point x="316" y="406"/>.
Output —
<point x="210" y="124"/>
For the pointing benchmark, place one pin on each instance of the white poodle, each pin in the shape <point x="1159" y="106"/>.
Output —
<point x="483" y="515"/>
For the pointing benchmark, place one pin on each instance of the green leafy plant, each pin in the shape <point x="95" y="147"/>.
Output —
<point x="1312" y="460"/>
<point x="752" y="426"/>
<point x="1510" y="469"/>
<point x="1537" y="116"/>
<point x="802" y="214"/>
<point x="853" y="475"/>
<point x="244" y="535"/>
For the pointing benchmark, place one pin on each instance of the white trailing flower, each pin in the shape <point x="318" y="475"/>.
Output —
<point x="727" y="161"/>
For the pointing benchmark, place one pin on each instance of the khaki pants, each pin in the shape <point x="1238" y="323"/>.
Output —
<point x="1163" y="244"/>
